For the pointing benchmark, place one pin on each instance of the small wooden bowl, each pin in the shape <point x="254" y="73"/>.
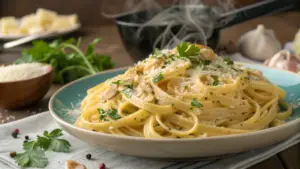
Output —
<point x="17" y="94"/>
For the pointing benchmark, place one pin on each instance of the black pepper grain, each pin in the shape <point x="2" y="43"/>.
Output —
<point x="14" y="135"/>
<point x="88" y="156"/>
<point x="12" y="154"/>
<point x="26" y="137"/>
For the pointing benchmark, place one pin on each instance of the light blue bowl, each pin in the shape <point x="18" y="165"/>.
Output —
<point x="70" y="96"/>
<point x="67" y="99"/>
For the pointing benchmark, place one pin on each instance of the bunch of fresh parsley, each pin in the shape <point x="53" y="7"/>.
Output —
<point x="68" y="61"/>
<point x="34" y="154"/>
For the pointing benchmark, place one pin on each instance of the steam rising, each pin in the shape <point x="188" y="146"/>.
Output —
<point x="197" y="18"/>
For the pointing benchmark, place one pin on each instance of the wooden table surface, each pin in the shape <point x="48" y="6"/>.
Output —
<point x="285" y="24"/>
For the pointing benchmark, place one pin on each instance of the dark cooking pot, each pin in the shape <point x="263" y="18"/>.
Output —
<point x="140" y="47"/>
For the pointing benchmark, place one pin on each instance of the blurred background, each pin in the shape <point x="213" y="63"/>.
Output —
<point x="98" y="20"/>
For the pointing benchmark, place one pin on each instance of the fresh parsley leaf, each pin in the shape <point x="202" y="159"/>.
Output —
<point x="68" y="61"/>
<point x="55" y="144"/>
<point x="196" y="103"/>
<point x="186" y="49"/>
<point x="205" y="62"/>
<point x="112" y="113"/>
<point x="117" y="82"/>
<point x="32" y="158"/>
<point x="59" y="145"/>
<point x="228" y="61"/>
<point x="130" y="86"/>
<point x="216" y="83"/>
<point x="43" y="142"/>
<point x="127" y="92"/>
<point x="158" y="78"/>
<point x="29" y="145"/>
<point x="54" y="134"/>
<point x="34" y="154"/>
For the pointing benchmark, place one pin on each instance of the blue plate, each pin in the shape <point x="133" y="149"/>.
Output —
<point x="72" y="94"/>
<point x="64" y="107"/>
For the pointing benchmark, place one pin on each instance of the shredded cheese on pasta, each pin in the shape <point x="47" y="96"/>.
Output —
<point x="186" y="92"/>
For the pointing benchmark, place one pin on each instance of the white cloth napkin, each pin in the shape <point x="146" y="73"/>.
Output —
<point x="35" y="125"/>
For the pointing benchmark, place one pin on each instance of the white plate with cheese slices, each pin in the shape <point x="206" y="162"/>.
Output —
<point x="44" y="23"/>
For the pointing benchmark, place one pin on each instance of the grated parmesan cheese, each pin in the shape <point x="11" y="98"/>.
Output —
<point x="24" y="71"/>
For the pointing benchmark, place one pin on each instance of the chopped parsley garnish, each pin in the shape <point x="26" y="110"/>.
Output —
<point x="158" y="78"/>
<point x="216" y="83"/>
<point x="228" y="61"/>
<point x="127" y="92"/>
<point x="196" y="103"/>
<point x="34" y="154"/>
<point x="130" y="86"/>
<point x="186" y="49"/>
<point x="117" y="82"/>
<point x="112" y="113"/>
<point x="205" y="62"/>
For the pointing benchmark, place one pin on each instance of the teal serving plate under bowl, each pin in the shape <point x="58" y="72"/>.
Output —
<point x="64" y="107"/>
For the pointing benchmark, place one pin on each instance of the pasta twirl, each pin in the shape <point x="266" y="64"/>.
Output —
<point x="185" y="92"/>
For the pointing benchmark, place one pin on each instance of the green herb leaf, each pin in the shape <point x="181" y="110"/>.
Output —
<point x="29" y="145"/>
<point x="127" y="92"/>
<point x="51" y="141"/>
<point x="34" y="155"/>
<point x="43" y="142"/>
<point x="54" y="134"/>
<point x="32" y="158"/>
<point x="117" y="82"/>
<point x="196" y="103"/>
<point x="158" y="78"/>
<point x="216" y="83"/>
<point x="112" y="113"/>
<point x="59" y="145"/>
<point x="130" y="86"/>
<point x="68" y="61"/>
<point x="205" y="62"/>
<point x="228" y="61"/>
<point x="186" y="49"/>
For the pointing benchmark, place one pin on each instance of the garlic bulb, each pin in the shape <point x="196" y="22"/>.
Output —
<point x="284" y="60"/>
<point x="259" y="44"/>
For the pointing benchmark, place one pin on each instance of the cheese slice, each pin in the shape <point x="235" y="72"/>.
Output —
<point x="8" y="24"/>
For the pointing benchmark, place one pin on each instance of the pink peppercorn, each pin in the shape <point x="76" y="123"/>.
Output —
<point x="102" y="166"/>
<point x="17" y="131"/>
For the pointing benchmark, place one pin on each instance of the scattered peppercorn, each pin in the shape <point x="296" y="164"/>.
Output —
<point x="14" y="135"/>
<point x="12" y="154"/>
<point x="16" y="131"/>
<point x="88" y="156"/>
<point x="102" y="166"/>
<point x="26" y="137"/>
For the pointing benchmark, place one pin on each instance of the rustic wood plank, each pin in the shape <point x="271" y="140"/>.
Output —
<point x="271" y="163"/>
<point x="291" y="157"/>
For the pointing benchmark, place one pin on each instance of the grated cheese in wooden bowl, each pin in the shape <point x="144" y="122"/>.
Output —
<point x="23" y="71"/>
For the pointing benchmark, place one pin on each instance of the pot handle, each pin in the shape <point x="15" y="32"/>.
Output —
<point x="255" y="10"/>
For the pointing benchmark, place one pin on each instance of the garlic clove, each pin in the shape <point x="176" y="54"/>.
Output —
<point x="259" y="44"/>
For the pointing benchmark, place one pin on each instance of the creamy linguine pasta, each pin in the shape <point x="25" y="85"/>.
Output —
<point x="185" y="92"/>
